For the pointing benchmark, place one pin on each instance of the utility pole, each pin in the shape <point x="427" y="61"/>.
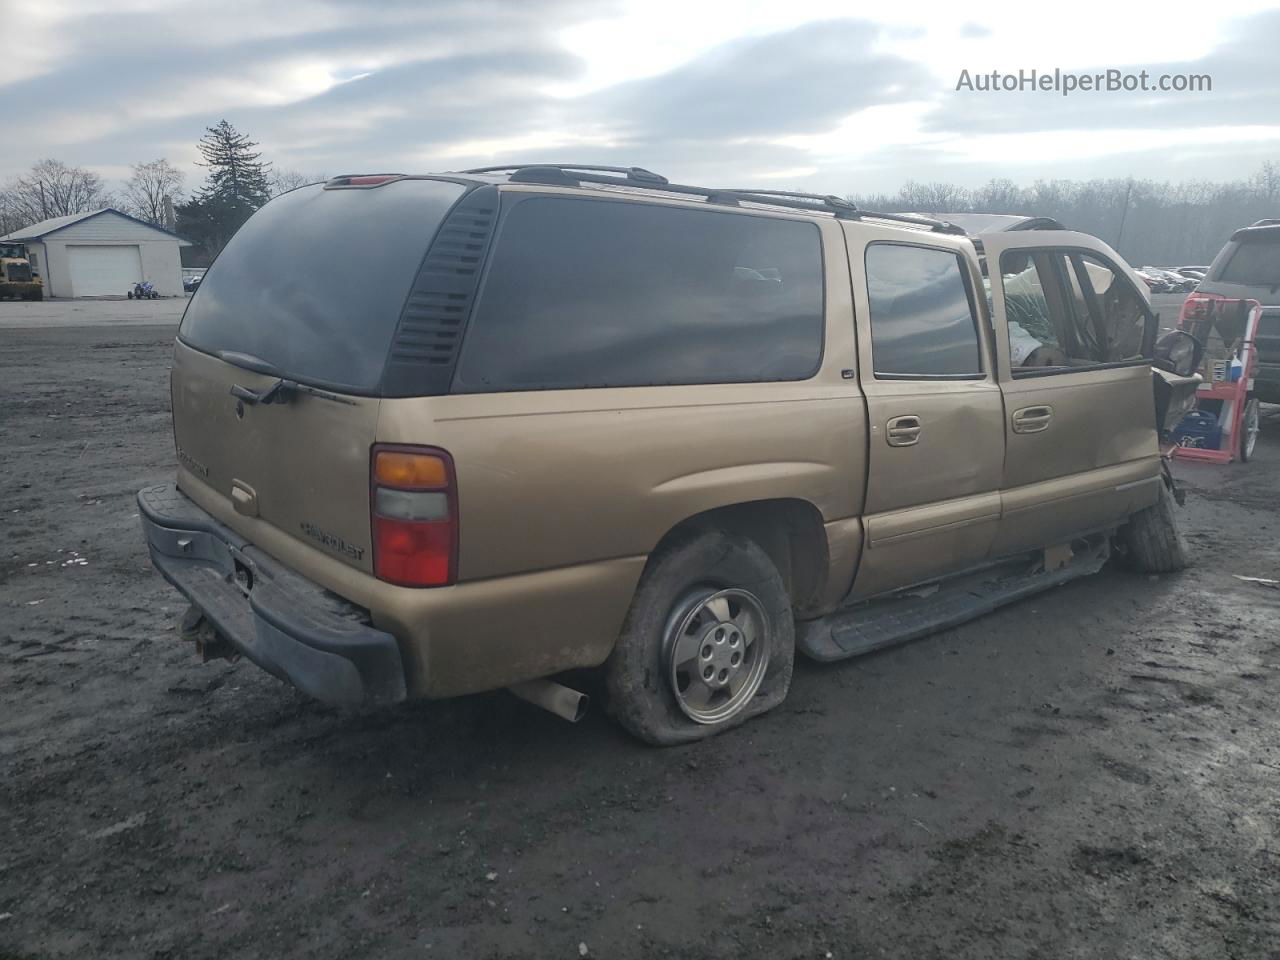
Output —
<point x="1124" y="213"/>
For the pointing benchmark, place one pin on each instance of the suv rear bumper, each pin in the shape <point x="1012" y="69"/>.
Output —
<point x="288" y="625"/>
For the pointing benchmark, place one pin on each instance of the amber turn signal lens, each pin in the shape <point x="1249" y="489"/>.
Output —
<point x="410" y="471"/>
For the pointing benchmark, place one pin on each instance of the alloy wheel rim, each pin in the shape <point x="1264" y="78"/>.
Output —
<point x="1251" y="427"/>
<point x="717" y="651"/>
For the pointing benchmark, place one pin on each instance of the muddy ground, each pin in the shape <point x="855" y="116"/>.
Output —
<point x="1090" y="773"/>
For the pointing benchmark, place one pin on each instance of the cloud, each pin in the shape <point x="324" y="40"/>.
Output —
<point x="799" y="81"/>
<point x="426" y="72"/>
<point x="833" y="104"/>
<point x="1245" y="76"/>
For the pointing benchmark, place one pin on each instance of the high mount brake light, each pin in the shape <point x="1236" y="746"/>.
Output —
<point x="413" y="508"/>
<point x="363" y="180"/>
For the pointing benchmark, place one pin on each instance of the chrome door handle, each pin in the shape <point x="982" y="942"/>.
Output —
<point x="1032" y="419"/>
<point x="903" y="431"/>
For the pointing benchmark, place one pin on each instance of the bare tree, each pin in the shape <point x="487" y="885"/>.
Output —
<point x="146" y="189"/>
<point x="54" y="189"/>
<point x="282" y="181"/>
<point x="11" y="215"/>
<point x="1149" y="222"/>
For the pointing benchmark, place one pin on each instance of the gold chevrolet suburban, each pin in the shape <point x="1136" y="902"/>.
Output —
<point x="451" y="433"/>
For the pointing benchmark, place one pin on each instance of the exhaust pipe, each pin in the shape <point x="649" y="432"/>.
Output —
<point x="556" y="697"/>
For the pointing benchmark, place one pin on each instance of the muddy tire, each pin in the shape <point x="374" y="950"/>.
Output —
<point x="708" y="643"/>
<point x="1151" y="539"/>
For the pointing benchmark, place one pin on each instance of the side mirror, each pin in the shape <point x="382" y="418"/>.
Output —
<point x="1178" y="352"/>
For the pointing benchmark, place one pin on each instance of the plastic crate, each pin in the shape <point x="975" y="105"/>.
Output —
<point x="1198" y="430"/>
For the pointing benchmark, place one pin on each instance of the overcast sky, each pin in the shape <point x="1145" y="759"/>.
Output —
<point x="804" y="94"/>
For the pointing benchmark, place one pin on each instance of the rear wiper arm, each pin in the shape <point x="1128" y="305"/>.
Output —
<point x="249" y="362"/>
<point x="278" y="392"/>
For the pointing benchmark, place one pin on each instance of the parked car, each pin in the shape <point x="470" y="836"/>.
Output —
<point x="1248" y="267"/>
<point x="554" y="417"/>
<point x="191" y="281"/>
<point x="1155" y="283"/>
<point x="1173" y="281"/>
<point x="1195" y="273"/>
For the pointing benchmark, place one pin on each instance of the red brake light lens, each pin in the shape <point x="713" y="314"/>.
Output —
<point x="413" y="554"/>
<point x="1197" y="306"/>
<point x="414" y="515"/>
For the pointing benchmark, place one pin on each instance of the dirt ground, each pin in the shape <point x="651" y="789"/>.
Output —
<point x="1093" y="773"/>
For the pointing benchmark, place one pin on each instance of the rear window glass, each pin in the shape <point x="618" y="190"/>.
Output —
<point x="922" y="317"/>
<point x="315" y="282"/>
<point x="592" y="293"/>
<point x="1255" y="261"/>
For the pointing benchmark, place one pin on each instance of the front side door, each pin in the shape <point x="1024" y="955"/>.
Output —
<point x="936" y="437"/>
<point x="1074" y="338"/>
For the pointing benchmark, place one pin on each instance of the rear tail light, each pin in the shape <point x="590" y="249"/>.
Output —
<point x="1197" y="306"/>
<point x="414" y="513"/>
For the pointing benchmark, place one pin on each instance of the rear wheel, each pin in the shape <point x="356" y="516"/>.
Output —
<point x="1151" y="539"/>
<point x="1249" y="427"/>
<point x="709" y="642"/>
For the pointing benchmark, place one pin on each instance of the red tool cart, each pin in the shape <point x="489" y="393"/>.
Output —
<point x="1224" y="425"/>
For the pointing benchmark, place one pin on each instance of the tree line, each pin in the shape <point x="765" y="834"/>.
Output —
<point x="237" y="183"/>
<point x="1148" y="222"/>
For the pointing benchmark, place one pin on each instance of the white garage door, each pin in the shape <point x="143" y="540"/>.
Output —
<point x="104" y="270"/>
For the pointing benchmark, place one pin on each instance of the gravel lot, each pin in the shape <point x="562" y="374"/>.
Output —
<point x="46" y="314"/>
<point x="1092" y="773"/>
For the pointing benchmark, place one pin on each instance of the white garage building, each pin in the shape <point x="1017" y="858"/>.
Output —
<point x="102" y="253"/>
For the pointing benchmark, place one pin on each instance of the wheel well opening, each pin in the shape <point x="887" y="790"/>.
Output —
<point x="791" y="532"/>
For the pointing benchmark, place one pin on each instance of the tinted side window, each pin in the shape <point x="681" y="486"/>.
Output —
<point x="597" y="293"/>
<point x="922" y="317"/>
<point x="315" y="282"/>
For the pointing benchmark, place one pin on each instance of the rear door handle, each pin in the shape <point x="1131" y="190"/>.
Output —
<point x="1032" y="419"/>
<point x="903" y="431"/>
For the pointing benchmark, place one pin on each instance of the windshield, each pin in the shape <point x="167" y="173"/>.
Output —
<point x="315" y="282"/>
<point x="1255" y="262"/>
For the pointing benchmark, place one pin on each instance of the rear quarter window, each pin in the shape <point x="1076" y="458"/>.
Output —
<point x="314" y="283"/>
<point x="601" y="293"/>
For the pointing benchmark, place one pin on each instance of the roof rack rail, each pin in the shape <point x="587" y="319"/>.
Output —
<point x="575" y="174"/>
<point x="937" y="226"/>
<point x="826" y="199"/>
<point x="556" y="172"/>
<point x="849" y="209"/>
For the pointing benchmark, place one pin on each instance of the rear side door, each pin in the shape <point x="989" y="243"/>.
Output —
<point x="1074" y="337"/>
<point x="936" y="437"/>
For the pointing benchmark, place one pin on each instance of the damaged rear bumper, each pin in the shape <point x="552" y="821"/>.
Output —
<point x="290" y="626"/>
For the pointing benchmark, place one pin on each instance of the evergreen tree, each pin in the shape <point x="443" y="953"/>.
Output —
<point x="237" y="184"/>
<point x="237" y="174"/>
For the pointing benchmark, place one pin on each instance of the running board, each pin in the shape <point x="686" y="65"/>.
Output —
<point x="907" y="615"/>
